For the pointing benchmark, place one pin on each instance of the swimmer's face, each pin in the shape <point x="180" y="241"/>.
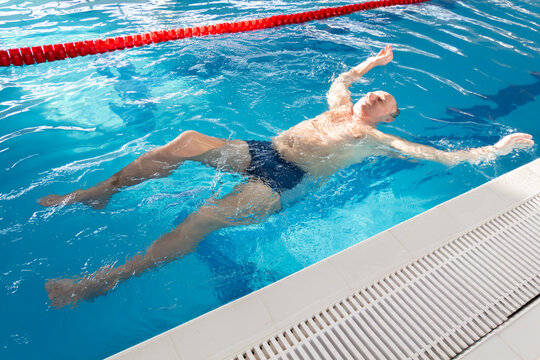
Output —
<point x="377" y="106"/>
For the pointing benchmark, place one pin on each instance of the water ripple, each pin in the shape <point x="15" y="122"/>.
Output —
<point x="465" y="73"/>
<point x="42" y="128"/>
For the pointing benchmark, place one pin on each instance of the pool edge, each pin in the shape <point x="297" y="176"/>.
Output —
<point x="236" y="325"/>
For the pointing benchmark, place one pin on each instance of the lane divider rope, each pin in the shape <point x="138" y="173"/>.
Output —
<point x="49" y="53"/>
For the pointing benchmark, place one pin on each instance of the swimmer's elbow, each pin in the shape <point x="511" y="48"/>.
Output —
<point x="451" y="158"/>
<point x="338" y="96"/>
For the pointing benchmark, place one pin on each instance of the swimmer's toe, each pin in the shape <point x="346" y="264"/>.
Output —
<point x="50" y="200"/>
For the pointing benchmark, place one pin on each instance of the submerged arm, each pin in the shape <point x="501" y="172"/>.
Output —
<point x="339" y="93"/>
<point x="473" y="156"/>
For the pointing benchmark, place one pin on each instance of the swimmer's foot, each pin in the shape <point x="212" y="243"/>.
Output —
<point x="52" y="200"/>
<point x="96" y="202"/>
<point x="61" y="292"/>
<point x="64" y="291"/>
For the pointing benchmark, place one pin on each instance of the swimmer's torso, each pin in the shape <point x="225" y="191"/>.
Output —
<point x="326" y="143"/>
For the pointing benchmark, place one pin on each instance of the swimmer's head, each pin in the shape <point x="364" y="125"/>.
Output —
<point x="376" y="107"/>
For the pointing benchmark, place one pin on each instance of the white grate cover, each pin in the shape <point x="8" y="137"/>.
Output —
<point x="433" y="308"/>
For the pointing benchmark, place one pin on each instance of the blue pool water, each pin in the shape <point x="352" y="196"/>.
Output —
<point x="465" y="74"/>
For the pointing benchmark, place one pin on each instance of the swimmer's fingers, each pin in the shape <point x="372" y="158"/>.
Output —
<point x="391" y="54"/>
<point x="514" y="141"/>
<point x="519" y="136"/>
<point x="520" y="139"/>
<point x="384" y="56"/>
<point x="384" y="51"/>
<point x="523" y="144"/>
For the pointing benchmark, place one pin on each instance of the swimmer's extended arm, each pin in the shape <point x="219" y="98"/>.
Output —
<point x="339" y="93"/>
<point x="473" y="156"/>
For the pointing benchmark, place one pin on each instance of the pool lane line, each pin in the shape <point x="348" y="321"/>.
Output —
<point x="49" y="53"/>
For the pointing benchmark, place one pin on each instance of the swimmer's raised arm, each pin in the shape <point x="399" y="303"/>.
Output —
<point x="474" y="156"/>
<point x="339" y="93"/>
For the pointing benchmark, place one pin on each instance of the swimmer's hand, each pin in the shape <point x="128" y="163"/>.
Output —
<point x="383" y="57"/>
<point x="513" y="142"/>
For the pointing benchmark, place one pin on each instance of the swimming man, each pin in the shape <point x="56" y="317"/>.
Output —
<point x="344" y="135"/>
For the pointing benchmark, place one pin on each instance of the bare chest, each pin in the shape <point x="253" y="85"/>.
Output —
<point x="324" y="144"/>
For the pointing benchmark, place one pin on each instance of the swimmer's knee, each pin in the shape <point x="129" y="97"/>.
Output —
<point x="193" y="137"/>
<point x="188" y="144"/>
<point x="187" y="135"/>
<point x="190" y="134"/>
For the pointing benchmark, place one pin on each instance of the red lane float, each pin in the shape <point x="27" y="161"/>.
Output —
<point x="40" y="54"/>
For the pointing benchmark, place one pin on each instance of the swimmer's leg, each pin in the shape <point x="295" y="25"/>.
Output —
<point x="231" y="155"/>
<point x="247" y="204"/>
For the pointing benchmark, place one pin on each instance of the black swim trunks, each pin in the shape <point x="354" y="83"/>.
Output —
<point x="272" y="169"/>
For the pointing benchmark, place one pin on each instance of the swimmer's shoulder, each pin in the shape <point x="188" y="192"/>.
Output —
<point x="337" y="115"/>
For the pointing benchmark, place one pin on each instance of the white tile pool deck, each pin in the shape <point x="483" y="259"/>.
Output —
<point x="518" y="339"/>
<point x="222" y="333"/>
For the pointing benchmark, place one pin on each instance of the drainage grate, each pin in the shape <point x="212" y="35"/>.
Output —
<point x="433" y="308"/>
